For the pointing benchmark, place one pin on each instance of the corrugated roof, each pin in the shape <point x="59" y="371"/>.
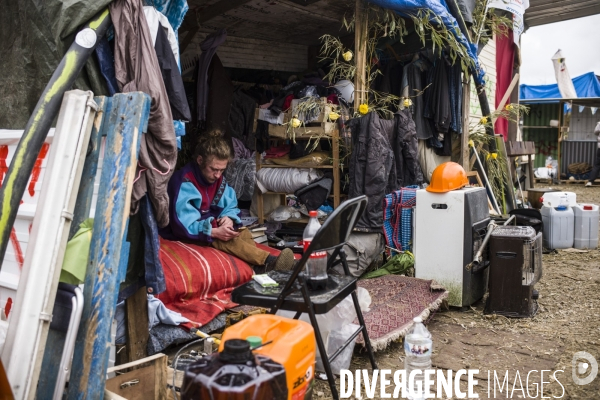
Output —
<point x="541" y="12"/>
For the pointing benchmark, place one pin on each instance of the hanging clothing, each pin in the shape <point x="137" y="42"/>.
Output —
<point x="156" y="19"/>
<point x="455" y="91"/>
<point x="241" y="118"/>
<point x="172" y="78"/>
<point x="412" y="86"/>
<point x="137" y="69"/>
<point x="406" y="151"/>
<point x="106" y="61"/>
<point x="220" y="98"/>
<point x="209" y="48"/>
<point x="371" y="167"/>
<point x="437" y="101"/>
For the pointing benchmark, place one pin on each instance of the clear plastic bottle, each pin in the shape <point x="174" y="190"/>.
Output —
<point x="418" y="347"/>
<point x="316" y="267"/>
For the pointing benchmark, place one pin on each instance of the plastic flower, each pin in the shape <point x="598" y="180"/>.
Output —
<point x="296" y="122"/>
<point x="509" y="107"/>
<point x="333" y="116"/>
<point x="494" y="155"/>
<point x="471" y="143"/>
<point x="363" y="109"/>
<point x="348" y="55"/>
<point x="407" y="102"/>
<point x="483" y="120"/>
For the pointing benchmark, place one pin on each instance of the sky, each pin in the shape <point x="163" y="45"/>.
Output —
<point x="579" y="40"/>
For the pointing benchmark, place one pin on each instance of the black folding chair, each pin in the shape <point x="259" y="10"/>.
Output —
<point x="293" y="294"/>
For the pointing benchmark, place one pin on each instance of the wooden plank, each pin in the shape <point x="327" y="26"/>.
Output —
<point x="136" y="363"/>
<point x="138" y="384"/>
<point x="53" y="353"/>
<point x="136" y="311"/>
<point x="509" y="90"/>
<point x="260" y="210"/>
<point x="126" y="122"/>
<point x="160" y="378"/>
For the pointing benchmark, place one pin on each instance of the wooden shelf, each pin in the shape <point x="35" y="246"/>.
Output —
<point x="335" y="139"/>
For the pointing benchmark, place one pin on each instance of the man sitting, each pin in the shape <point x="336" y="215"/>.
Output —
<point x="203" y="208"/>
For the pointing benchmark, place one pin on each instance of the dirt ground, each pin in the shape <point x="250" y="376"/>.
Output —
<point x="567" y="322"/>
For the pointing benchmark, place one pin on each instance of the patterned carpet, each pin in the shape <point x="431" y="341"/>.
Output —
<point x="395" y="301"/>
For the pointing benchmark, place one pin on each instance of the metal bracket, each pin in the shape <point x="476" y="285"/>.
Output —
<point x="67" y="215"/>
<point x="46" y="317"/>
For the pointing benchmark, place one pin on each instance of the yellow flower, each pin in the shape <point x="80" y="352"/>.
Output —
<point x="407" y="102"/>
<point x="471" y="143"/>
<point x="296" y="122"/>
<point x="509" y="107"/>
<point x="494" y="155"/>
<point x="333" y="116"/>
<point x="487" y="157"/>
<point x="347" y="55"/>
<point x="363" y="109"/>
<point x="483" y="120"/>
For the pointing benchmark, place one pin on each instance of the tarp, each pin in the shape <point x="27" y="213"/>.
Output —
<point x="586" y="85"/>
<point x="440" y="9"/>
<point x="34" y="36"/>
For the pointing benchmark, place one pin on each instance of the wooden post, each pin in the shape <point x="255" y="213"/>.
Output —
<point x="136" y="311"/>
<point x="126" y="121"/>
<point x="466" y="118"/>
<point x="561" y="109"/>
<point x="336" y="167"/>
<point x="53" y="352"/>
<point x="360" y="50"/>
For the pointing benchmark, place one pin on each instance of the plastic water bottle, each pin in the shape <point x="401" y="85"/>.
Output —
<point x="316" y="267"/>
<point x="418" y="347"/>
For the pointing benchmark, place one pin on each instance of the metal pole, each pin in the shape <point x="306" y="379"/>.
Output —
<point x="40" y="121"/>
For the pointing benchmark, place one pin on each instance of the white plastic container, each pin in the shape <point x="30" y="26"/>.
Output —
<point x="586" y="226"/>
<point x="554" y="199"/>
<point x="559" y="227"/>
<point x="418" y="346"/>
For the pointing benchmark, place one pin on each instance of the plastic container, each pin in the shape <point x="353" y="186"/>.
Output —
<point x="316" y="267"/>
<point x="559" y="227"/>
<point x="292" y="344"/>
<point x="554" y="199"/>
<point x="586" y="226"/>
<point x="335" y="340"/>
<point x="418" y="347"/>
<point x="235" y="373"/>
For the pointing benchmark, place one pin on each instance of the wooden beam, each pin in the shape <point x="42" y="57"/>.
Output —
<point x="107" y="262"/>
<point x="466" y="117"/>
<point x="198" y="17"/>
<point x="360" y="53"/>
<point x="136" y="308"/>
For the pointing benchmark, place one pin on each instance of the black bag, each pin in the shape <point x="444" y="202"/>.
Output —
<point x="528" y="217"/>
<point x="314" y="195"/>
<point x="300" y="149"/>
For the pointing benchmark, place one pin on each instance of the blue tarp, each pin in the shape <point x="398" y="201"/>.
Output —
<point x="440" y="9"/>
<point x="586" y="85"/>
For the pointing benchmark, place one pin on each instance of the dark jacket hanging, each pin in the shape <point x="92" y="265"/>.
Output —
<point x="171" y="77"/>
<point x="209" y="48"/>
<point x="371" y="167"/>
<point x="406" y="151"/>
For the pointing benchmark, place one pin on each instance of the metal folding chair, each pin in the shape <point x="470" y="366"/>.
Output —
<point x="293" y="294"/>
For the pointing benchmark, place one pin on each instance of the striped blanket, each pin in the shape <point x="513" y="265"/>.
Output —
<point x="200" y="280"/>
<point x="397" y="217"/>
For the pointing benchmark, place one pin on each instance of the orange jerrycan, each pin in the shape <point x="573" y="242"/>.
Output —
<point x="287" y="341"/>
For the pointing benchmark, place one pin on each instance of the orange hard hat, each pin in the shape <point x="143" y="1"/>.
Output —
<point x="446" y="177"/>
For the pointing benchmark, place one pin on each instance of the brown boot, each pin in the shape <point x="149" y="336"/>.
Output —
<point x="283" y="262"/>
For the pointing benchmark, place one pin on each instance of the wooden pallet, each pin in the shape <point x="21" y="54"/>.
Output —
<point x="543" y="180"/>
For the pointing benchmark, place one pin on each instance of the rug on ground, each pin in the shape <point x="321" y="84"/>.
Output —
<point x="395" y="301"/>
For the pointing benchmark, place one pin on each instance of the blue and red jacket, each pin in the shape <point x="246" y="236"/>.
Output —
<point x="195" y="205"/>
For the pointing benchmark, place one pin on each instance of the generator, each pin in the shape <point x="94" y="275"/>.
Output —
<point x="449" y="229"/>
<point x="515" y="256"/>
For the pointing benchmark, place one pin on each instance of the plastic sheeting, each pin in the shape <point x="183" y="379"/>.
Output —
<point x="586" y="85"/>
<point x="440" y="9"/>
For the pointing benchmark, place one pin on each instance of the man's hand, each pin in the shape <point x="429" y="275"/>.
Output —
<point x="224" y="233"/>
<point x="225" y="221"/>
